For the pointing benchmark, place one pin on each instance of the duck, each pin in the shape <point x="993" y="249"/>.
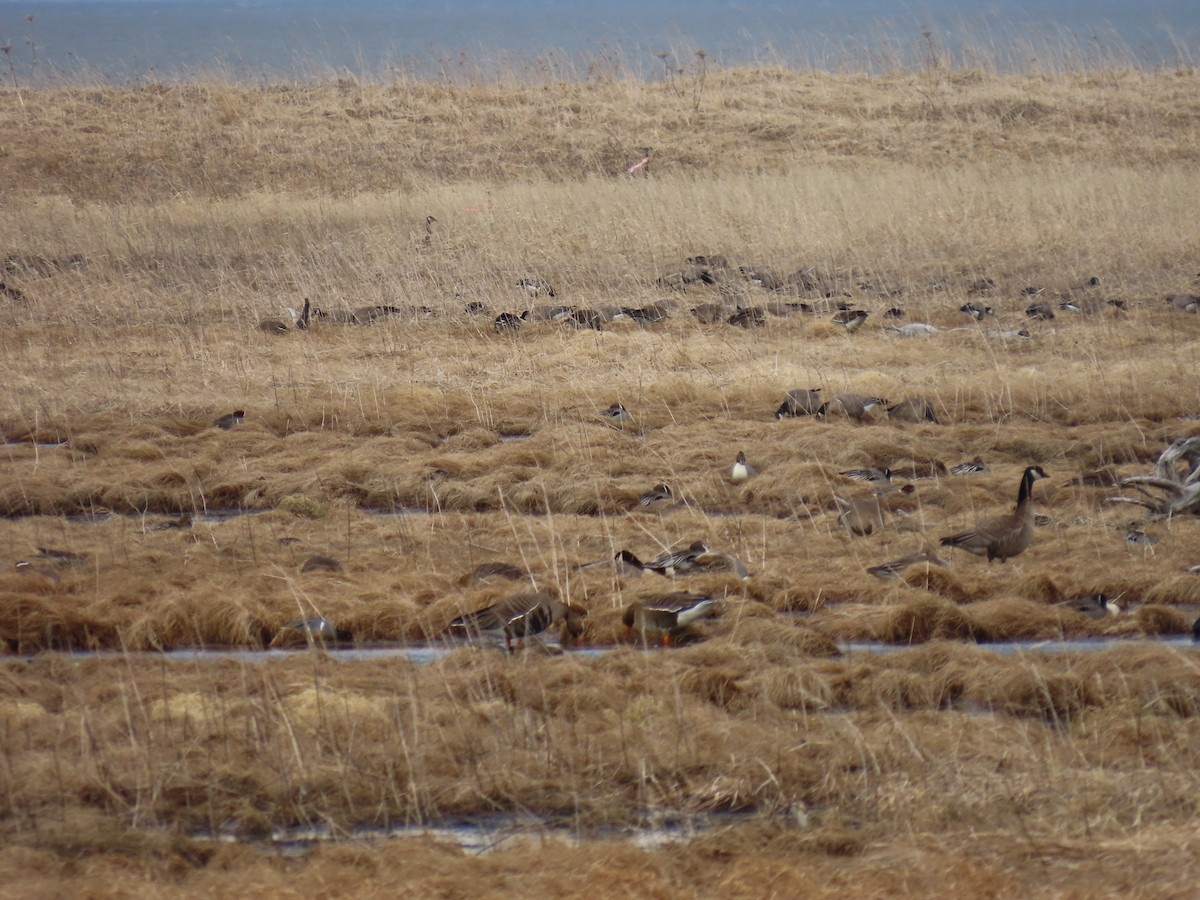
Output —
<point x="321" y="564"/>
<point x="537" y="287"/>
<point x="677" y="562"/>
<point x="623" y="563"/>
<point x="741" y="470"/>
<point x="976" y="310"/>
<point x="862" y="516"/>
<point x="800" y="402"/>
<point x="228" y="421"/>
<point x="1041" y="311"/>
<point x="1096" y="606"/>
<point x="891" y="571"/>
<point x="617" y="414"/>
<point x="975" y="467"/>
<point x="850" y="319"/>
<point x="522" y="616"/>
<point x="915" y="410"/>
<point x="1002" y="537"/>
<point x="660" y="493"/>
<point x="1184" y="303"/>
<point x="934" y="468"/>
<point x="667" y="615"/>
<point x="880" y="475"/>
<point x="853" y="406"/>
<point x="507" y="321"/>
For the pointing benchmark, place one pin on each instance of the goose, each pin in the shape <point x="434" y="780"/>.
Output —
<point x="853" y="406"/>
<point x="862" y="516"/>
<point x="666" y="615"/>
<point x="880" y="475"/>
<point x="1004" y="536"/>
<point x="748" y="317"/>
<point x="741" y="471"/>
<point x="1090" y="306"/>
<point x="273" y="326"/>
<point x="915" y="410"/>
<point x="476" y="308"/>
<point x="976" y="310"/>
<point x="1184" y="302"/>
<point x="660" y="493"/>
<point x="677" y="562"/>
<point x="321" y="564"/>
<point x="646" y="315"/>
<point x="708" y="313"/>
<point x="623" y="563"/>
<point x="975" y="467"/>
<point x="507" y="321"/>
<point x="720" y="563"/>
<point x="617" y="414"/>
<point x="228" y="421"/>
<point x="915" y="329"/>
<point x="891" y="571"/>
<point x="850" y="319"/>
<point x="493" y="570"/>
<point x="521" y="616"/>
<point x="582" y="318"/>
<point x="800" y="403"/>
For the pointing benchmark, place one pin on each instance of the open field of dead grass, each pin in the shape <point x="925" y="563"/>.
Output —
<point x="148" y="231"/>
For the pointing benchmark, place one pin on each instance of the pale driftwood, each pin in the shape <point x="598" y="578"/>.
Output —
<point x="1179" y="485"/>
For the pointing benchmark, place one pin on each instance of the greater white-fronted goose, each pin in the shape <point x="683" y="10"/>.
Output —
<point x="719" y="563"/>
<point x="521" y="616"/>
<point x="741" y="470"/>
<point x="800" y="402"/>
<point x="862" y="516"/>
<point x="667" y="615"/>
<point x="915" y="410"/>
<point x="852" y="406"/>
<point x="1002" y="537"/>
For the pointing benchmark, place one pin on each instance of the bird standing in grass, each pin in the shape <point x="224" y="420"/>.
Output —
<point x="1004" y="536"/>
<point x="522" y="616"/>
<point x="227" y="422"/>
<point x="666" y="615"/>
<point x="742" y="471"/>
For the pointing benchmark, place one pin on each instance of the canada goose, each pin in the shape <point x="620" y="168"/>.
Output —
<point x="1041" y="311"/>
<point x="660" y="493"/>
<point x="228" y="421"/>
<point x="60" y="557"/>
<point x="862" y="516"/>
<point x="976" y="310"/>
<point x="915" y="329"/>
<point x="891" y="571"/>
<point x="749" y="317"/>
<point x="316" y="630"/>
<point x="623" y="563"/>
<point x="298" y="320"/>
<point x="677" y="562"/>
<point x="522" y="616"/>
<point x="1184" y="303"/>
<point x="915" y="410"/>
<point x="507" y="321"/>
<point x="666" y="615"/>
<point x="493" y="570"/>
<point x="537" y="287"/>
<point x="321" y="564"/>
<point x="975" y="467"/>
<point x="853" y="406"/>
<point x="617" y="414"/>
<point x="646" y="315"/>
<point x="800" y="402"/>
<point x="875" y="475"/>
<point x="850" y="319"/>
<point x="1004" y="536"/>
<point x="1096" y="606"/>
<point x="741" y="470"/>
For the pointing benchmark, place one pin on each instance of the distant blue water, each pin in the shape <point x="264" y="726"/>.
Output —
<point x="252" y="40"/>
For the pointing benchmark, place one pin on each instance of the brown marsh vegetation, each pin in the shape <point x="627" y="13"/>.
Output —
<point x="150" y="230"/>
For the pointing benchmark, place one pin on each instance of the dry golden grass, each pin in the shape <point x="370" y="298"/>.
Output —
<point x="418" y="447"/>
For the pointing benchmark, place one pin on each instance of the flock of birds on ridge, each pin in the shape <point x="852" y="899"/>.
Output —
<point x="526" y="615"/>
